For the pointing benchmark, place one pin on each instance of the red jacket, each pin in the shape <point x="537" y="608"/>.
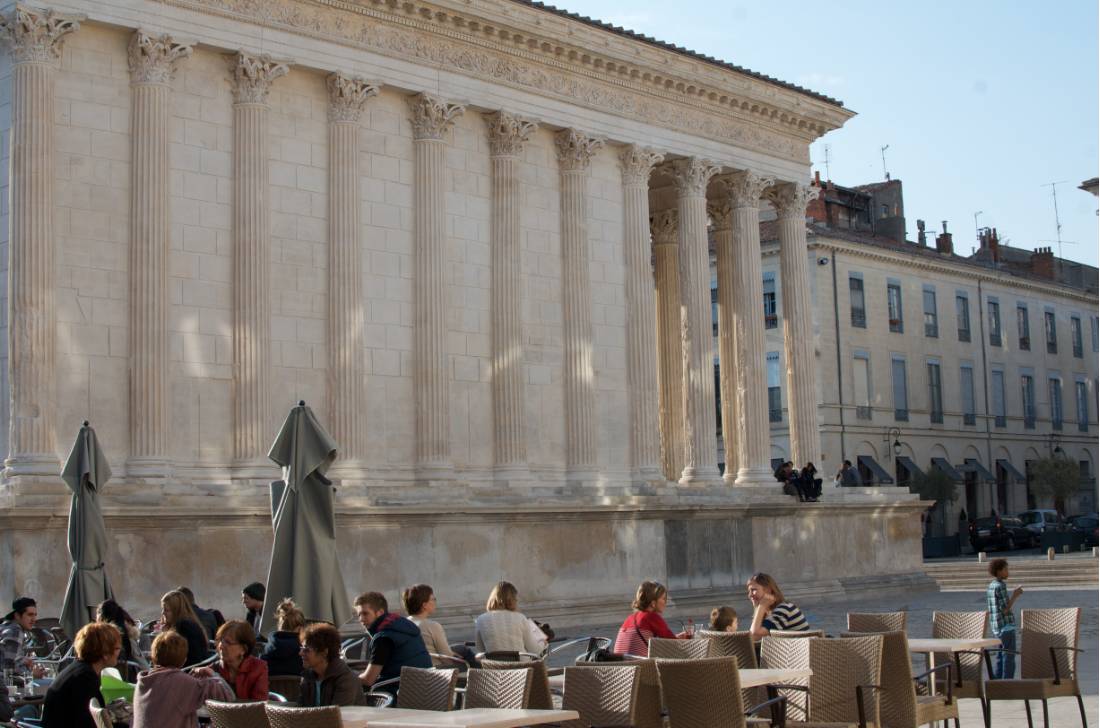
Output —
<point x="251" y="683"/>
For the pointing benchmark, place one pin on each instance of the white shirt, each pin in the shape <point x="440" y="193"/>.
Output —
<point x="505" y="631"/>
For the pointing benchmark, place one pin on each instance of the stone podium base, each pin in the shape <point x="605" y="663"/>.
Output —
<point x="576" y="555"/>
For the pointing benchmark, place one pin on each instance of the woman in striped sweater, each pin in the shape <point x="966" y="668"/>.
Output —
<point x="770" y="609"/>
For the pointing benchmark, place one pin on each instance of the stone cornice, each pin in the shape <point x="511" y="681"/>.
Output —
<point x="153" y="59"/>
<point x="347" y="95"/>
<point x="36" y="36"/>
<point x="509" y="44"/>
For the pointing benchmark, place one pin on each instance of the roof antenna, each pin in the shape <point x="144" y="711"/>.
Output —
<point x="827" y="175"/>
<point x="882" y="150"/>
<point x="1057" y="219"/>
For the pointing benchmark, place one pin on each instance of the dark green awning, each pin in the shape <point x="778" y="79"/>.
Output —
<point x="946" y="468"/>
<point x="879" y="475"/>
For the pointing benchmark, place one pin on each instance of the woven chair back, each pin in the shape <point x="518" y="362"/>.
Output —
<point x="280" y="716"/>
<point x="731" y="644"/>
<point x="603" y="695"/>
<point x="961" y="626"/>
<point x="237" y="715"/>
<point x="877" y="621"/>
<point x="425" y="688"/>
<point x="780" y="633"/>
<point x="898" y="697"/>
<point x="497" y="688"/>
<point x="1041" y="629"/>
<point x="540" y="698"/>
<point x="839" y="665"/>
<point x="666" y="649"/>
<point x="648" y="703"/>
<point x="702" y="693"/>
<point x="99" y="715"/>
<point x="289" y="686"/>
<point x="788" y="654"/>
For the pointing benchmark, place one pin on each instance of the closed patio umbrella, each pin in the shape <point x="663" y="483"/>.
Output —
<point x="304" y="562"/>
<point x="85" y="472"/>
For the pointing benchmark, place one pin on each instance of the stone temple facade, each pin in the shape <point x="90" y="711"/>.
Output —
<point x="473" y="236"/>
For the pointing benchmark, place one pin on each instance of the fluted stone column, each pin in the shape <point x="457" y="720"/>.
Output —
<point x="252" y="79"/>
<point x="347" y="97"/>
<point x="641" y="320"/>
<point x="152" y="60"/>
<point x="665" y="228"/>
<point x="507" y="135"/>
<point x="753" y="428"/>
<point x="700" y="433"/>
<point x="721" y="215"/>
<point x="790" y="200"/>
<point x="431" y="117"/>
<point x="575" y="152"/>
<point x="35" y="38"/>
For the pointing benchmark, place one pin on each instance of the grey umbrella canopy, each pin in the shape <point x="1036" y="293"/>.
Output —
<point x="303" y="557"/>
<point x="85" y="472"/>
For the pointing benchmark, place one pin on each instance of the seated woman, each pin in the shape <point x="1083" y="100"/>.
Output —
<point x="419" y="601"/>
<point x="111" y="613"/>
<point x="167" y="697"/>
<point x="281" y="653"/>
<point x="770" y="609"/>
<point x="723" y="619"/>
<point x="646" y="622"/>
<point x="327" y="679"/>
<point x="247" y="675"/>
<point x="176" y="613"/>
<point x="504" y="629"/>
<point x="66" y="706"/>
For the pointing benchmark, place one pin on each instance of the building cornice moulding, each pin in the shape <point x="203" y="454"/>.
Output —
<point x="497" y="47"/>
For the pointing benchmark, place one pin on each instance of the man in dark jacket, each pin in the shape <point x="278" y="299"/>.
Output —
<point x="395" y="641"/>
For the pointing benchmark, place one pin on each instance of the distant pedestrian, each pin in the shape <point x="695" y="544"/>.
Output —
<point x="1001" y="621"/>
<point x="848" y="475"/>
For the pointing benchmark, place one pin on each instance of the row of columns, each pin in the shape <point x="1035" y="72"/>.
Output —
<point x="672" y="428"/>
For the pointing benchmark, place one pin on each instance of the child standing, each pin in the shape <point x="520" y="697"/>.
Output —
<point x="1001" y="622"/>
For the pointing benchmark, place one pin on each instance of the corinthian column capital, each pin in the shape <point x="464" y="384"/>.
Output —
<point x="347" y="95"/>
<point x="432" y="116"/>
<point x="745" y="187"/>
<point x="637" y="164"/>
<point x="720" y="213"/>
<point x="36" y="36"/>
<point x="153" y="59"/>
<point x="508" y="133"/>
<point x="665" y="226"/>
<point x="575" y="150"/>
<point x="692" y="175"/>
<point x="790" y="198"/>
<point x="253" y="76"/>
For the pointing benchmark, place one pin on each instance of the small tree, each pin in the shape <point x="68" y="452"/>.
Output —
<point x="935" y="485"/>
<point x="1055" y="477"/>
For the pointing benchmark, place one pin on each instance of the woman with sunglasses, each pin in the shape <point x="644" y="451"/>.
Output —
<point x="246" y="674"/>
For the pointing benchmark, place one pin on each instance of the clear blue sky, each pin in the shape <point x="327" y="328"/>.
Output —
<point x="982" y="103"/>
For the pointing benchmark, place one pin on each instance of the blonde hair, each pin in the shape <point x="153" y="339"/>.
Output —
<point x="288" y="617"/>
<point x="765" y="581"/>
<point x="503" y="596"/>
<point x="722" y="617"/>
<point x="178" y="607"/>
<point x="647" y="595"/>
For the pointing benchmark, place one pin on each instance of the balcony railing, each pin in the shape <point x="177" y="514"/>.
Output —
<point x="964" y="334"/>
<point x="936" y="417"/>
<point x="970" y="419"/>
<point x="901" y="415"/>
<point x="859" y="318"/>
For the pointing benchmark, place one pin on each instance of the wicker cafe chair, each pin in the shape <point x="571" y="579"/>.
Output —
<point x="648" y="704"/>
<point x="901" y="706"/>
<point x="789" y="654"/>
<point x="426" y="688"/>
<point x="877" y="621"/>
<point x="540" y="697"/>
<point x="237" y="715"/>
<point x="285" y="717"/>
<point x="497" y="688"/>
<point x="379" y="699"/>
<point x="603" y="695"/>
<point x="706" y="693"/>
<point x="844" y="687"/>
<point x="289" y="686"/>
<point x="967" y="672"/>
<point x="1048" y="662"/>
<point x="738" y="645"/>
<point x="672" y="649"/>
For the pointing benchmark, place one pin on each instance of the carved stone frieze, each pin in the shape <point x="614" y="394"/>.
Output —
<point x="347" y="96"/>
<point x="508" y="133"/>
<point x="372" y="29"/>
<point x="691" y="175"/>
<point x="744" y="188"/>
<point x="36" y="36"/>
<point x="790" y="198"/>
<point x="432" y="116"/>
<point x="253" y="76"/>
<point x="664" y="226"/>
<point x="637" y="164"/>
<point x="575" y="150"/>
<point x="153" y="59"/>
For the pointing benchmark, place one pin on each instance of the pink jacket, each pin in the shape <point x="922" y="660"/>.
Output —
<point x="168" y="698"/>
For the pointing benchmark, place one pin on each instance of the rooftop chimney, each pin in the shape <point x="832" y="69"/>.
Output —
<point x="1042" y="263"/>
<point x="991" y="242"/>
<point x="944" y="246"/>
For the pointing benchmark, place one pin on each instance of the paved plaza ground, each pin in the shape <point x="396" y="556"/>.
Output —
<point x="831" y="617"/>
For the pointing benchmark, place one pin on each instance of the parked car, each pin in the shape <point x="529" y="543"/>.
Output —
<point x="1040" y="521"/>
<point x="1086" y="526"/>
<point x="1002" y="533"/>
